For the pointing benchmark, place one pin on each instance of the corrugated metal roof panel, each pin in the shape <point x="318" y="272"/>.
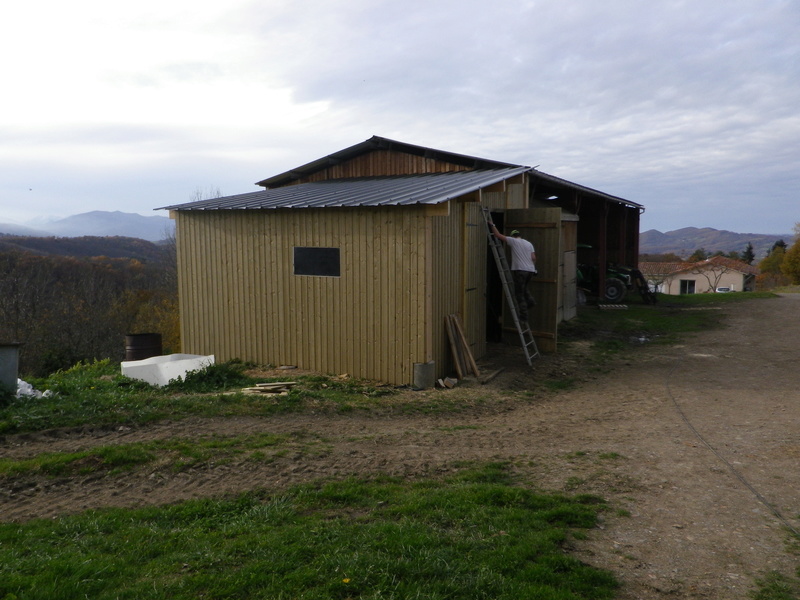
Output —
<point x="433" y="188"/>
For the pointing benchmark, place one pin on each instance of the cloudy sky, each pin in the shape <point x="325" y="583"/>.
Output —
<point x="691" y="108"/>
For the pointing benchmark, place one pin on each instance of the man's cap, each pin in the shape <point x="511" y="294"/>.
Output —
<point x="515" y="232"/>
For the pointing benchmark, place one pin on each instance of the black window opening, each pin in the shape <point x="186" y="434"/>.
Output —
<point x="320" y="262"/>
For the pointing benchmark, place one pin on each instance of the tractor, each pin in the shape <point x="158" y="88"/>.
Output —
<point x="619" y="280"/>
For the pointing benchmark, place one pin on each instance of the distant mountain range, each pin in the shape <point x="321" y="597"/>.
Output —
<point x="684" y="242"/>
<point x="99" y="223"/>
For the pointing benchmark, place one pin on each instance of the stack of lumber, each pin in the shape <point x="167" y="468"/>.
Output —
<point x="276" y="387"/>
<point x="462" y="355"/>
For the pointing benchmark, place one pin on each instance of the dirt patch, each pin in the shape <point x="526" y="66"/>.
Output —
<point x="695" y="446"/>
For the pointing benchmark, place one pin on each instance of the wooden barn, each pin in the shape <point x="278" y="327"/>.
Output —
<point x="351" y="263"/>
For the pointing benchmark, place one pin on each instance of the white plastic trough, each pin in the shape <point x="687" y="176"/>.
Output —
<point x="160" y="370"/>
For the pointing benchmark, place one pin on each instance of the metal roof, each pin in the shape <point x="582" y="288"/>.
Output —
<point x="380" y="143"/>
<point x="558" y="182"/>
<point x="404" y="190"/>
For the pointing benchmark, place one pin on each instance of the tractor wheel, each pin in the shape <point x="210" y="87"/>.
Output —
<point x="615" y="290"/>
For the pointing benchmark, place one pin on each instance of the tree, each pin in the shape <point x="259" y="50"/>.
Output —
<point x="712" y="272"/>
<point x="68" y="309"/>
<point x="748" y="256"/>
<point x="790" y="266"/>
<point x="734" y="255"/>
<point x="770" y="267"/>
<point x="669" y="257"/>
<point x="780" y="244"/>
<point x="698" y="255"/>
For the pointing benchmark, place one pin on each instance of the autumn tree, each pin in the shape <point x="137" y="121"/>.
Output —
<point x="68" y="309"/>
<point x="698" y="255"/>
<point x="790" y="266"/>
<point x="770" y="267"/>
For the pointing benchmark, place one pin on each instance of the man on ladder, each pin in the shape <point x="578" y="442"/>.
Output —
<point x="523" y="267"/>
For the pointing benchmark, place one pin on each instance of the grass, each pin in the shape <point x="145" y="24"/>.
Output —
<point x="474" y="535"/>
<point x="96" y="393"/>
<point x="776" y="586"/>
<point x="173" y="454"/>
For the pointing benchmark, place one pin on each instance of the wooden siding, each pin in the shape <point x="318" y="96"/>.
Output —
<point x="240" y="299"/>
<point x="475" y="256"/>
<point x="383" y="163"/>
<point x="446" y="281"/>
<point x="514" y="196"/>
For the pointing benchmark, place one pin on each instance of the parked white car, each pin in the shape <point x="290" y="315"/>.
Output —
<point x="723" y="290"/>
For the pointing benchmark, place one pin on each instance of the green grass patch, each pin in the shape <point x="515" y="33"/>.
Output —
<point x="97" y="393"/>
<point x="475" y="535"/>
<point x="174" y="454"/>
<point x="776" y="586"/>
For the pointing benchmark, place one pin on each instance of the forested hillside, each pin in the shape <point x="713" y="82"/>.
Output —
<point x="73" y="299"/>
<point x="86" y="246"/>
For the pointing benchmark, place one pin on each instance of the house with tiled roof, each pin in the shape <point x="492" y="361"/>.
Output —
<point x="717" y="272"/>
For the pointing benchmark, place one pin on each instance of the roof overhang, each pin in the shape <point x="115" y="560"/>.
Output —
<point x="544" y="185"/>
<point x="405" y="190"/>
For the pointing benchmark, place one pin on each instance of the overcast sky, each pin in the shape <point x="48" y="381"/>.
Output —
<point x="691" y="108"/>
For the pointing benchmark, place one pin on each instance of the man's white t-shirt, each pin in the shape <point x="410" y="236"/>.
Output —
<point x="521" y="251"/>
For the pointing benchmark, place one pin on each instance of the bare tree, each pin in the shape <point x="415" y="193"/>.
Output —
<point x="712" y="271"/>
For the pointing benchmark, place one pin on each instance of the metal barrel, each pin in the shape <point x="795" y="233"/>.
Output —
<point x="9" y="366"/>
<point x="139" y="346"/>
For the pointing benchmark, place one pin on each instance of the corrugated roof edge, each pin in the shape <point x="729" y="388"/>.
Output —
<point x="405" y="190"/>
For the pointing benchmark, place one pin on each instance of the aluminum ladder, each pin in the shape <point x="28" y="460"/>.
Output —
<point x="524" y="330"/>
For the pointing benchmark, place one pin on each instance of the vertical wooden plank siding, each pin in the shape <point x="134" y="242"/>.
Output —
<point x="474" y="311"/>
<point x="239" y="297"/>
<point x="382" y="163"/>
<point x="447" y="281"/>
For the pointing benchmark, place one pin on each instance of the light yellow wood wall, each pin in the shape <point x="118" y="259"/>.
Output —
<point x="403" y="270"/>
<point x="239" y="297"/>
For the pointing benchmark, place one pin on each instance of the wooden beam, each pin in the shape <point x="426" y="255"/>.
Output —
<point x="438" y="210"/>
<point x="457" y="358"/>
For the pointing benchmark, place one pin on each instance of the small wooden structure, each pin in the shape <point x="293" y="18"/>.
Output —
<point x="354" y="262"/>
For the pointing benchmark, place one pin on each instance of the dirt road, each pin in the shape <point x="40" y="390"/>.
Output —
<point x="695" y="446"/>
